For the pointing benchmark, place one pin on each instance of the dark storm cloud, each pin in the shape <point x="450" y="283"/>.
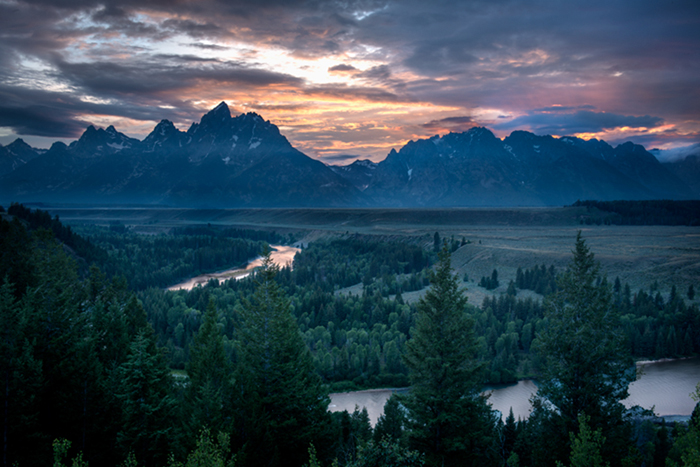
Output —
<point x="582" y="121"/>
<point x="607" y="64"/>
<point x="195" y="29"/>
<point x="185" y="58"/>
<point x="342" y="68"/>
<point x="355" y="92"/>
<point x="207" y="46"/>
<point x="381" y="72"/>
<point x="44" y="113"/>
<point x="451" y="123"/>
<point x="153" y="79"/>
<point x="40" y="120"/>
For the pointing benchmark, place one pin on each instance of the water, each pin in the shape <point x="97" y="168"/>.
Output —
<point x="664" y="385"/>
<point x="281" y="255"/>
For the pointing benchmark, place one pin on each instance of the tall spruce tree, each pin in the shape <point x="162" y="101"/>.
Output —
<point x="586" y="366"/>
<point x="448" y="419"/>
<point x="147" y="403"/>
<point x="210" y="380"/>
<point x="281" y="405"/>
<point x="21" y="381"/>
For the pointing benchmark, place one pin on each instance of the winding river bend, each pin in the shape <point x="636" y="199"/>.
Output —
<point x="664" y="385"/>
<point x="281" y="255"/>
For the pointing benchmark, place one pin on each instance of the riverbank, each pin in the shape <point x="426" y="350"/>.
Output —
<point x="281" y="255"/>
<point x="664" y="387"/>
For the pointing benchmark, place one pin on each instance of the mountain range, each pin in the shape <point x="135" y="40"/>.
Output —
<point x="244" y="161"/>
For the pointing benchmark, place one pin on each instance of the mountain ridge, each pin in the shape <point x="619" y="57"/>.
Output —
<point x="245" y="161"/>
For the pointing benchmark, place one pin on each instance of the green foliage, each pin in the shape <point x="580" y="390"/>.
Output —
<point x="209" y="387"/>
<point x="60" y="451"/>
<point x="209" y="452"/>
<point x="390" y="424"/>
<point x="69" y="336"/>
<point x="490" y="283"/>
<point x="346" y="262"/>
<point x="587" y="366"/>
<point x="586" y="446"/>
<point x="641" y="212"/>
<point x="21" y="377"/>
<point x="541" y="280"/>
<point x="283" y="407"/>
<point x="448" y="419"/>
<point x="163" y="260"/>
<point x="387" y="453"/>
<point x="146" y="401"/>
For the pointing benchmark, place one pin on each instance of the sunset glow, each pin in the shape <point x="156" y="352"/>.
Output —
<point x="353" y="78"/>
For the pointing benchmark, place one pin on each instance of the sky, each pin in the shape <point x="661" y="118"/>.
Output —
<point x="354" y="77"/>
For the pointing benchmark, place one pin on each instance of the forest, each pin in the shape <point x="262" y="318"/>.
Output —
<point x="103" y="366"/>
<point x="641" y="212"/>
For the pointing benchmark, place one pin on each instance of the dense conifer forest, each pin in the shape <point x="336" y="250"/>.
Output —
<point x="101" y="365"/>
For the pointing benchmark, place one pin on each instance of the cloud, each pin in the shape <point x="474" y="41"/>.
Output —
<point x="675" y="154"/>
<point x="562" y="108"/>
<point x="582" y="121"/>
<point x="196" y="29"/>
<point x="340" y="159"/>
<point x="564" y="67"/>
<point x="350" y="93"/>
<point x="159" y="78"/>
<point x="456" y="124"/>
<point x="342" y="68"/>
<point x="40" y="120"/>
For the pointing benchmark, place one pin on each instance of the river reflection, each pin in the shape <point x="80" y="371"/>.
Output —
<point x="664" y="385"/>
<point x="281" y="255"/>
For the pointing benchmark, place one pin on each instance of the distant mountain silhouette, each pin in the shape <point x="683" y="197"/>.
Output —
<point x="244" y="161"/>
<point x="475" y="168"/>
<point x="688" y="170"/>
<point x="221" y="161"/>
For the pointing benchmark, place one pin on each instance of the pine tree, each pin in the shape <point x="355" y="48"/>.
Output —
<point x="20" y="379"/>
<point x="586" y="365"/>
<point x="210" y="379"/>
<point x="391" y="422"/>
<point x="147" y="404"/>
<point x="281" y="405"/>
<point x="448" y="419"/>
<point x="586" y="446"/>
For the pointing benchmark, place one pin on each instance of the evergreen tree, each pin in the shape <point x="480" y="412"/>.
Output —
<point x="586" y="365"/>
<point x="391" y="422"/>
<point x="281" y="405"/>
<point x="586" y="446"/>
<point x="448" y="418"/>
<point x="208" y="392"/>
<point x="147" y="403"/>
<point x="21" y="381"/>
<point x="386" y="453"/>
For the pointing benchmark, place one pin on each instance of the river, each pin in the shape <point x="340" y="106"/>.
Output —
<point x="665" y="385"/>
<point x="281" y="255"/>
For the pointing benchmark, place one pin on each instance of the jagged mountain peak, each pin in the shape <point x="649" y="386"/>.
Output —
<point x="164" y="135"/>
<point x="19" y="146"/>
<point x="97" y="141"/>
<point x="58" y="146"/>
<point x="220" y="112"/>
